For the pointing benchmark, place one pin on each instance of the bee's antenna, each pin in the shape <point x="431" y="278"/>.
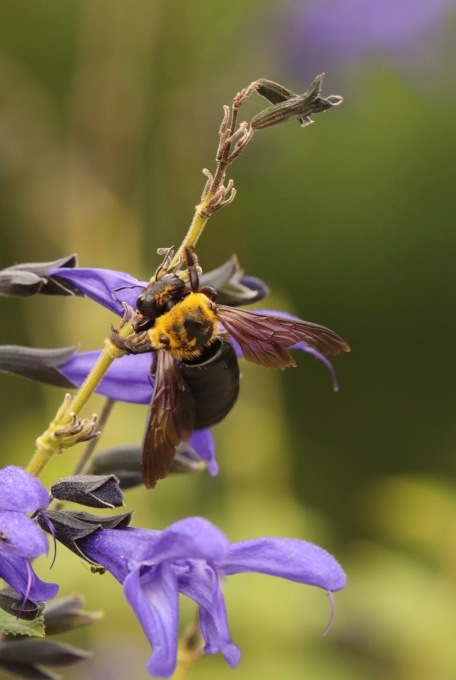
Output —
<point x="164" y="267"/>
<point x="134" y="285"/>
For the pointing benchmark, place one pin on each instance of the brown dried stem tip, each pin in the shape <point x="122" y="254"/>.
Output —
<point x="287" y="105"/>
<point x="233" y="139"/>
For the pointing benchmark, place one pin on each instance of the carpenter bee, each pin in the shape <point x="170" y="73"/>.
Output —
<point x="195" y="368"/>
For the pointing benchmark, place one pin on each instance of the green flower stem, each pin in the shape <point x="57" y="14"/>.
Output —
<point x="194" y="231"/>
<point x="58" y="436"/>
<point x="186" y="659"/>
<point x="189" y="650"/>
<point x="95" y="376"/>
<point x="182" y="668"/>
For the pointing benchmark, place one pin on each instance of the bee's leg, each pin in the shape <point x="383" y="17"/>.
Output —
<point x="194" y="270"/>
<point x="153" y="366"/>
<point x="137" y="343"/>
<point x="190" y="256"/>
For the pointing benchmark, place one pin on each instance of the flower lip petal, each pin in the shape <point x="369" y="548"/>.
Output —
<point x="202" y="584"/>
<point x="154" y="600"/>
<point x="287" y="558"/>
<point x="203" y="443"/>
<point x="102" y="286"/>
<point x="16" y="571"/>
<point x="23" y="536"/>
<point x="214" y="629"/>
<point x="21" y="491"/>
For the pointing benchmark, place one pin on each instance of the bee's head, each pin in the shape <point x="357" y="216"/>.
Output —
<point x="157" y="299"/>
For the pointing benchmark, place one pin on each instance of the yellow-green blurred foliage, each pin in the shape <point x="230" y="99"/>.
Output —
<point x="109" y="110"/>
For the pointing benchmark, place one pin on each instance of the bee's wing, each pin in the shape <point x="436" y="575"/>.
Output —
<point x="265" y="339"/>
<point x="170" y="421"/>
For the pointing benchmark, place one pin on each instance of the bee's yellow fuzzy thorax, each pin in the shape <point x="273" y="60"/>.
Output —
<point x="187" y="328"/>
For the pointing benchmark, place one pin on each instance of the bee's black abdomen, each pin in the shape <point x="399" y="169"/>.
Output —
<point x="213" y="380"/>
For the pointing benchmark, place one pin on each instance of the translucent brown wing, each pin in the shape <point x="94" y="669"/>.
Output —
<point x="170" y="421"/>
<point x="265" y="339"/>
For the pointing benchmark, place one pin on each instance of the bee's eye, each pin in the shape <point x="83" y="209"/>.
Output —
<point x="140" y="303"/>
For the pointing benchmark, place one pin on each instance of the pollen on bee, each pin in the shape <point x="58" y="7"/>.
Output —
<point x="188" y="327"/>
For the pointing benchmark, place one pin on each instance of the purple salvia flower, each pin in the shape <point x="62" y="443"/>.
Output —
<point x="21" y="539"/>
<point x="192" y="557"/>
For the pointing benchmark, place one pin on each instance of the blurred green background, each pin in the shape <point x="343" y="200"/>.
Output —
<point x="109" y="110"/>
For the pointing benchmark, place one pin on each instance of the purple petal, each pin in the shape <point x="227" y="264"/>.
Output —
<point x="190" y="538"/>
<point x="321" y="357"/>
<point x="154" y="599"/>
<point x="354" y="26"/>
<point x="200" y="582"/>
<point x="121" y="550"/>
<point x="214" y="629"/>
<point x="22" y="536"/>
<point x="21" y="491"/>
<point x="101" y="285"/>
<point x="203" y="443"/>
<point x="16" y="571"/>
<point x="255" y="284"/>
<point x="287" y="558"/>
<point x="127" y="379"/>
<point x="323" y="35"/>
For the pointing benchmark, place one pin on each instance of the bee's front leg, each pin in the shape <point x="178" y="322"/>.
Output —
<point x="136" y="343"/>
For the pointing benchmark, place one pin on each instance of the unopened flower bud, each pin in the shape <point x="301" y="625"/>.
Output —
<point x="289" y="106"/>
<point x="37" y="364"/>
<point x="95" y="491"/>
<point x="125" y="463"/>
<point x="67" y="614"/>
<point x="233" y="286"/>
<point x="32" y="278"/>
<point x="15" y="604"/>
<point x="26" y="651"/>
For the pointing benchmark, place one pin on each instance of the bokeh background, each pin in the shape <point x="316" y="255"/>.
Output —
<point x="109" y="110"/>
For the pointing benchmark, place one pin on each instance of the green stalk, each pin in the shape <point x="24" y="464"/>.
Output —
<point x="57" y="436"/>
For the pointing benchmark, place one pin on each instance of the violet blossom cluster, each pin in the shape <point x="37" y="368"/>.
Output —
<point x="191" y="557"/>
